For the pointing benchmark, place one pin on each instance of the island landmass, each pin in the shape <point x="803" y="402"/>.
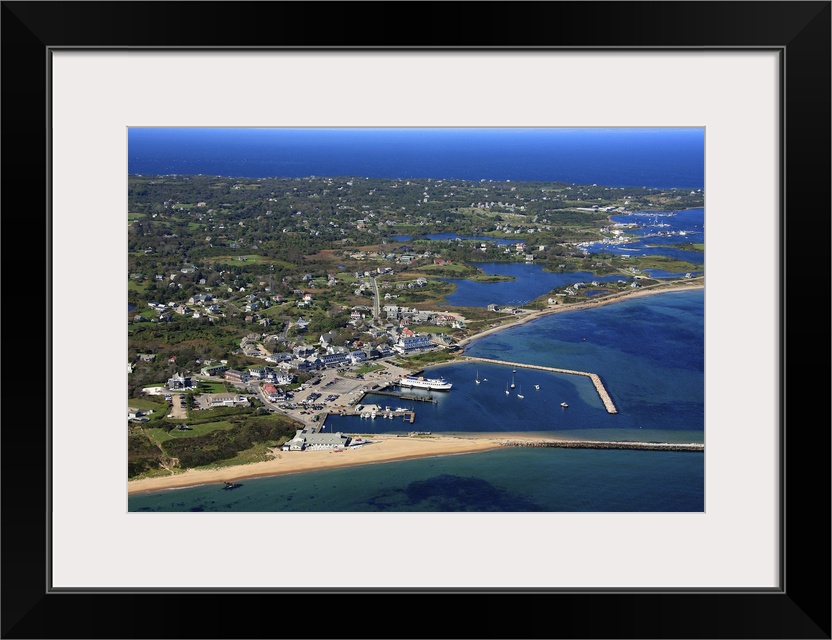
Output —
<point x="249" y="298"/>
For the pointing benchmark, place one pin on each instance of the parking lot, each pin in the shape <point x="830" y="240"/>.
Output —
<point x="338" y="390"/>
<point x="178" y="410"/>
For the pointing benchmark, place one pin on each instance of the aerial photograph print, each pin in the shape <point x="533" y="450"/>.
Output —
<point x="416" y="319"/>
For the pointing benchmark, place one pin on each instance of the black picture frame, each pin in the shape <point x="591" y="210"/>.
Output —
<point x="799" y="31"/>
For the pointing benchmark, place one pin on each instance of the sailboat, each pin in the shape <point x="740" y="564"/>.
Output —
<point x="512" y="382"/>
<point x="478" y="376"/>
<point x="520" y="392"/>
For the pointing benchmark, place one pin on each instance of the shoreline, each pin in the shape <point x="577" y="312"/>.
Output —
<point x="534" y="315"/>
<point x="384" y="447"/>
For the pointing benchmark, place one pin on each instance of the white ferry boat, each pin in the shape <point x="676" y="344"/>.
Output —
<point x="436" y="384"/>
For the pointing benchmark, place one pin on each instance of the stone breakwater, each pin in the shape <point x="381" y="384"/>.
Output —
<point x="597" y="444"/>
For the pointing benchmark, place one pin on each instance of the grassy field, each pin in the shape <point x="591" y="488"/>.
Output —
<point x="367" y="368"/>
<point x="212" y="386"/>
<point x="144" y="404"/>
<point x="484" y="277"/>
<point x="159" y="435"/>
<point x="441" y="329"/>
<point x="454" y="270"/>
<point x="159" y="409"/>
<point x="666" y="264"/>
<point x="156" y="435"/>
<point x="424" y="359"/>
<point x="132" y="285"/>
<point x="236" y="260"/>
<point x="258" y="453"/>
<point x="249" y="258"/>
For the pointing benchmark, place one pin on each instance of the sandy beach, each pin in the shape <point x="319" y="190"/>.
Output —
<point x="384" y="448"/>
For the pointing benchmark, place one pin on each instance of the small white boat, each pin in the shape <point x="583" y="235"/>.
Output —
<point x="520" y="392"/>
<point x="512" y="382"/>
<point x="564" y="405"/>
<point x="537" y="386"/>
<point x="478" y="376"/>
<point x="507" y="388"/>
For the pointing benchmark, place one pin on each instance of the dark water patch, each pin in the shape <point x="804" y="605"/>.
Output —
<point x="521" y="479"/>
<point x="452" y="493"/>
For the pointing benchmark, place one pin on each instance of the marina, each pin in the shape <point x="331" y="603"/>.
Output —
<point x="372" y="412"/>
<point x="648" y="350"/>
<point x="609" y="405"/>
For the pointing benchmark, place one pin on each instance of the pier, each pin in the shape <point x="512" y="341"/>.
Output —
<point x="596" y="379"/>
<point x="599" y="444"/>
<point x="371" y="412"/>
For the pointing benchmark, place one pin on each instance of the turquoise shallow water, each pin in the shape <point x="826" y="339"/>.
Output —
<point x="649" y="352"/>
<point x="510" y="480"/>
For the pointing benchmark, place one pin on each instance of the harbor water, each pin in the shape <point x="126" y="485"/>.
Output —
<point x="649" y="352"/>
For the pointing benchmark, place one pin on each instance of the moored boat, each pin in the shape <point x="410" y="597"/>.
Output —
<point x="419" y="382"/>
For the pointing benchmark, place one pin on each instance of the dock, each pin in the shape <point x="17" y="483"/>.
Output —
<point x="609" y="405"/>
<point x="384" y="414"/>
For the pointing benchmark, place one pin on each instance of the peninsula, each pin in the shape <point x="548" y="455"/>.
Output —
<point x="257" y="307"/>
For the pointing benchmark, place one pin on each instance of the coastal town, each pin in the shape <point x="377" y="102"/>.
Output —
<point x="258" y="308"/>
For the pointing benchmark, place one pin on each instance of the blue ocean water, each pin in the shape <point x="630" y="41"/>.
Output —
<point x="678" y="227"/>
<point x="636" y="157"/>
<point x="531" y="281"/>
<point x="649" y="351"/>
<point x="552" y="480"/>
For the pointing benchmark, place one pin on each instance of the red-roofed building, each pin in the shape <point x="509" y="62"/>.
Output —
<point x="271" y="391"/>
